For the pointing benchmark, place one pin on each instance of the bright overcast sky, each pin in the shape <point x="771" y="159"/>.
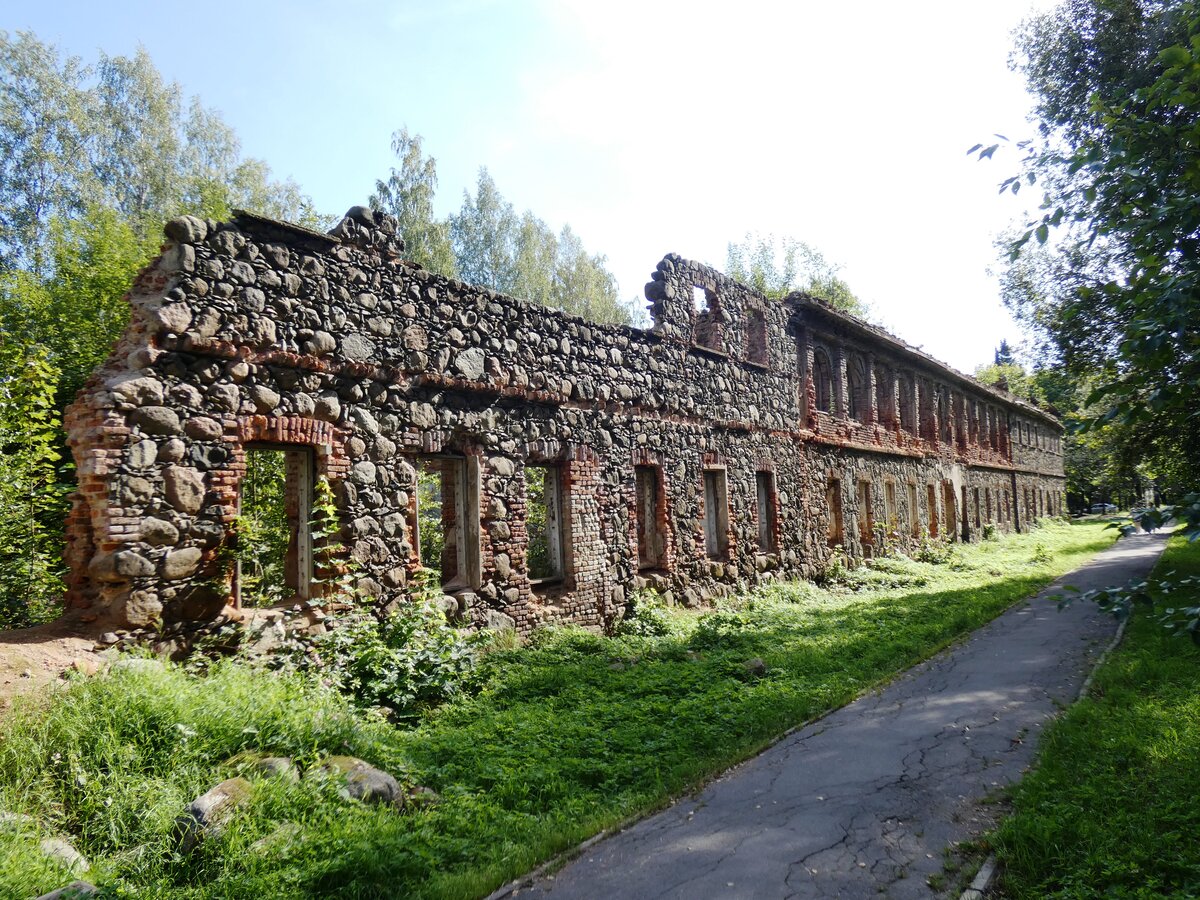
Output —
<point x="649" y="127"/>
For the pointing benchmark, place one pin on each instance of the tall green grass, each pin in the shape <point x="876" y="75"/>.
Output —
<point x="566" y="736"/>
<point x="1111" y="810"/>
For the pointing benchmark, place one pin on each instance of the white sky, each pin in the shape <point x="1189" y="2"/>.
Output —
<point x="650" y="127"/>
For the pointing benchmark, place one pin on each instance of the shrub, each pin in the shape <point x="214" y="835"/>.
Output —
<point x="646" y="619"/>
<point x="933" y="550"/>
<point x="409" y="660"/>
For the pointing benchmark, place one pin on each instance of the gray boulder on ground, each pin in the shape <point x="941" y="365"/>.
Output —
<point x="207" y="814"/>
<point x="72" y="891"/>
<point x="61" y="851"/>
<point x="362" y="781"/>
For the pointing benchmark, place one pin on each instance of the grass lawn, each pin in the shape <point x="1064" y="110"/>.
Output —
<point x="557" y="740"/>
<point x="1111" y="810"/>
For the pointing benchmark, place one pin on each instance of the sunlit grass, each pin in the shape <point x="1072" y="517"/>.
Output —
<point x="1111" y="809"/>
<point x="564" y="737"/>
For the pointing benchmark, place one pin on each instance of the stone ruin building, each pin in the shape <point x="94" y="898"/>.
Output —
<point x="735" y="440"/>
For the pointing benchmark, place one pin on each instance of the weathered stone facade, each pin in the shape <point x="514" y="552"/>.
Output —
<point x="735" y="440"/>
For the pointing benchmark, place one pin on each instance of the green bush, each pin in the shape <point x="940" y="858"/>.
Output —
<point x="647" y="618"/>
<point x="410" y="660"/>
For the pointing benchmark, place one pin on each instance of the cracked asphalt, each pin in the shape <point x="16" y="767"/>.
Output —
<point x="862" y="802"/>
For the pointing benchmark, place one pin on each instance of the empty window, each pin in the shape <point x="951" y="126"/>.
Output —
<point x="885" y="395"/>
<point x="925" y="409"/>
<point x="976" y="496"/>
<point x="960" y="421"/>
<point x="709" y="330"/>
<point x="948" y="502"/>
<point x="859" y="394"/>
<point x="931" y="502"/>
<point x="448" y="520"/>
<point x="914" y="512"/>
<point x="650" y="513"/>
<point x="765" y="484"/>
<point x="756" y="337"/>
<point x="889" y="505"/>
<point x="987" y="504"/>
<point x="833" y="508"/>
<point x="944" y="416"/>
<point x="273" y="545"/>
<point x="544" y="522"/>
<point x="866" y="522"/>
<point x="716" y="514"/>
<point x="823" y="380"/>
<point x="908" y="411"/>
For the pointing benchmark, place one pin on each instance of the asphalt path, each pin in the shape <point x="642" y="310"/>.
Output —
<point x="863" y="802"/>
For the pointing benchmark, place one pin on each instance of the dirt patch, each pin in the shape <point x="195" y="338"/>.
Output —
<point x="33" y="658"/>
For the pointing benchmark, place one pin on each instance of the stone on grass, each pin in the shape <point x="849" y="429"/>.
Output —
<point x="754" y="668"/>
<point x="207" y="814"/>
<point x="253" y="764"/>
<point x="72" y="891"/>
<point x="362" y="781"/>
<point x="63" y="853"/>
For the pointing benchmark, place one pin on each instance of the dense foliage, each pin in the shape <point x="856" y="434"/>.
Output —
<point x="1116" y="295"/>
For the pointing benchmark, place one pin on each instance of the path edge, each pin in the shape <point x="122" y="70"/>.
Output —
<point x="986" y="876"/>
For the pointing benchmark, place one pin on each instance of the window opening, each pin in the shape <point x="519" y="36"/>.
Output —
<point x="273" y="546"/>
<point x="544" y="522"/>
<point x="649" y="506"/>
<point x="833" y="506"/>
<point x="859" y="393"/>
<point x="925" y="410"/>
<point x="931" y="502"/>
<point x="951" y="511"/>
<point x="908" y="418"/>
<point x="765" y="484"/>
<point x="709" y="329"/>
<point x="756" y="337"/>
<point x="960" y="421"/>
<point x="865" y="523"/>
<point x="914" y="512"/>
<point x="716" y="514"/>
<point x="889" y="505"/>
<point x="823" y="381"/>
<point x="447" y="520"/>
<point x="885" y="396"/>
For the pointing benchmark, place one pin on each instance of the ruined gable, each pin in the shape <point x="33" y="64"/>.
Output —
<point x="696" y="456"/>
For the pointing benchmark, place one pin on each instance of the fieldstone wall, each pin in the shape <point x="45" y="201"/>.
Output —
<point x="259" y="333"/>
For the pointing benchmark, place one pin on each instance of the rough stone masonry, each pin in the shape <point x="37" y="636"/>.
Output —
<point x="737" y="439"/>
